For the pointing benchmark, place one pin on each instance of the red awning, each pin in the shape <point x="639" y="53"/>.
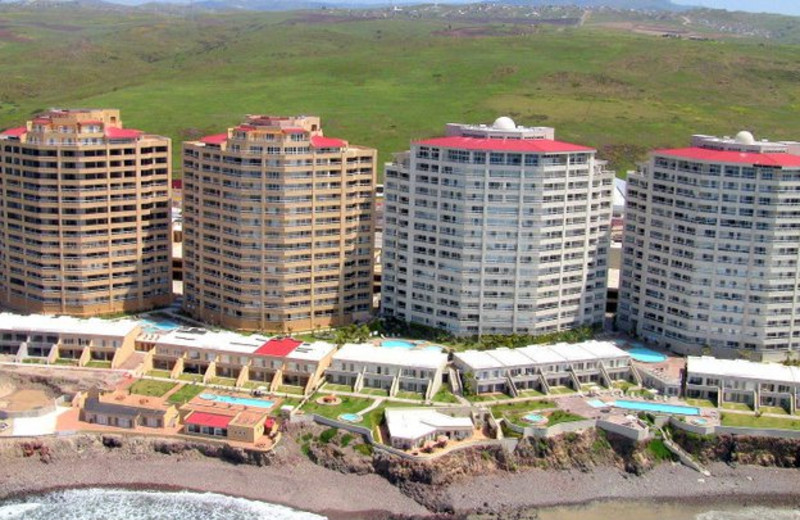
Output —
<point x="327" y="142"/>
<point x="278" y="347"/>
<point x="214" y="139"/>
<point x="211" y="420"/>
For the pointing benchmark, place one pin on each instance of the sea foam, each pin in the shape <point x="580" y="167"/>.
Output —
<point x="121" y="504"/>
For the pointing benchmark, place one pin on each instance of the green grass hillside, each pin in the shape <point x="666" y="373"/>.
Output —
<point x="383" y="83"/>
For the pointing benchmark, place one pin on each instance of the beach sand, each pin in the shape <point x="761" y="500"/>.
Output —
<point x="300" y="484"/>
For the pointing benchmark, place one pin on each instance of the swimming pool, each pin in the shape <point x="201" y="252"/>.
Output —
<point x="242" y="401"/>
<point x="397" y="343"/>
<point x="657" y="407"/>
<point x="350" y="417"/>
<point x="645" y="355"/>
<point x="160" y="325"/>
<point x="596" y="403"/>
<point x="534" y="418"/>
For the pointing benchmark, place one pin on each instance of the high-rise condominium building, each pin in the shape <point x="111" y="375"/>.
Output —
<point x="84" y="215"/>
<point x="711" y="248"/>
<point x="278" y="227"/>
<point x="495" y="230"/>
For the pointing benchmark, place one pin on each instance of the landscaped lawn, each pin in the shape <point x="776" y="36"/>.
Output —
<point x="159" y="373"/>
<point x="402" y="394"/>
<point x="66" y="361"/>
<point x="737" y="406"/>
<point x="151" y="388"/>
<point x="185" y="394"/>
<point x="775" y="410"/>
<point x="223" y="381"/>
<point x="701" y="403"/>
<point x="444" y="395"/>
<point x="514" y="412"/>
<point x="98" y="364"/>
<point x="291" y="389"/>
<point x="560" y="416"/>
<point x="482" y="398"/>
<point x="196" y="378"/>
<point x="380" y="392"/>
<point x="560" y="390"/>
<point x="751" y="421"/>
<point x="530" y="393"/>
<point x="333" y="387"/>
<point x="348" y="405"/>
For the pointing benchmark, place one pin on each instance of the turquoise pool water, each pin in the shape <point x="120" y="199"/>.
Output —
<point x="645" y="355"/>
<point x="161" y="325"/>
<point x="397" y="343"/>
<point x="657" y="407"/>
<point x="433" y="349"/>
<point x="596" y="403"/>
<point x="242" y="401"/>
<point x="534" y="417"/>
<point x="350" y="417"/>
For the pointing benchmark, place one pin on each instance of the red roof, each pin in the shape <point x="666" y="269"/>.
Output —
<point x="122" y="133"/>
<point x="43" y="120"/>
<point x="208" y="419"/>
<point x="245" y="128"/>
<point x="278" y="347"/>
<point x="726" y="156"/>
<point x="293" y="131"/>
<point x="505" y="145"/>
<point x="269" y="423"/>
<point x="327" y="142"/>
<point x="215" y="138"/>
<point x="16" y="132"/>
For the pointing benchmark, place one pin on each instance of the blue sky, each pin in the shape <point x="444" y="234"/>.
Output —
<point x="791" y="7"/>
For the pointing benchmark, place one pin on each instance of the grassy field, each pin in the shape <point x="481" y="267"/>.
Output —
<point x="750" y="421"/>
<point x="383" y="83"/>
<point x="151" y="388"/>
<point x="185" y="394"/>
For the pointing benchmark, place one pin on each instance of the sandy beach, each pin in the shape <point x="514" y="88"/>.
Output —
<point x="300" y="484"/>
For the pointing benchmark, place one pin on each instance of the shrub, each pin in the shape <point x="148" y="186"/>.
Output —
<point x="345" y="440"/>
<point x="364" y="449"/>
<point x="326" y="436"/>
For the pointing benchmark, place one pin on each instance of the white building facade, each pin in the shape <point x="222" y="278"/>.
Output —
<point x="496" y="230"/>
<point x="711" y="245"/>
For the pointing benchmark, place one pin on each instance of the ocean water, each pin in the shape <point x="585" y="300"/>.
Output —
<point x="121" y="504"/>
<point x="626" y="510"/>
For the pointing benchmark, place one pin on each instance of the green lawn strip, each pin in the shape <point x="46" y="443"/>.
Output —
<point x="185" y="394"/>
<point x="514" y="412"/>
<point x="66" y="362"/>
<point x="402" y="394"/>
<point x="159" y="373"/>
<point x="561" y="390"/>
<point x="290" y="389"/>
<point x="701" y="403"/>
<point x="444" y="395"/>
<point x="99" y="364"/>
<point x="483" y="398"/>
<point x="349" y="404"/>
<point x="150" y="387"/>
<point x="333" y="387"/>
<point x="775" y="410"/>
<point x="222" y="381"/>
<point x="196" y="378"/>
<point x="380" y="392"/>
<point x="737" y="406"/>
<point x="560" y="416"/>
<point x="750" y="421"/>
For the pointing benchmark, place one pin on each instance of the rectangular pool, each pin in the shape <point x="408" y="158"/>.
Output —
<point x="242" y="401"/>
<point x="657" y="407"/>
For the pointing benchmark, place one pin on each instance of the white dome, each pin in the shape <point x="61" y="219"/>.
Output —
<point x="504" y="123"/>
<point x="745" y="137"/>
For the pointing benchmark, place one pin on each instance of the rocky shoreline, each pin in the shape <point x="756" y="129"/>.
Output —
<point x="339" y="484"/>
